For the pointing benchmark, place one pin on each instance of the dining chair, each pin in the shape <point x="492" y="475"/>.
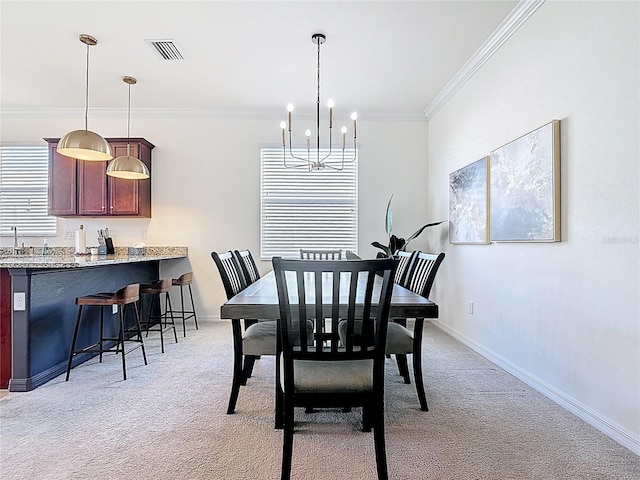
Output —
<point x="248" y="265"/>
<point x="320" y="254"/>
<point x="317" y="369"/>
<point x="406" y="260"/>
<point x="400" y="340"/>
<point x="252" y="338"/>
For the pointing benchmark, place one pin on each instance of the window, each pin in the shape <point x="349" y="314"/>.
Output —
<point x="24" y="179"/>
<point x="310" y="210"/>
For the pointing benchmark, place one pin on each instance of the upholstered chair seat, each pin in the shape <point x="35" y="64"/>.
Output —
<point x="260" y="339"/>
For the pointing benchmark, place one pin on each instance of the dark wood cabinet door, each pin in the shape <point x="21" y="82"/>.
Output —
<point x="123" y="194"/>
<point x="92" y="188"/>
<point x="62" y="183"/>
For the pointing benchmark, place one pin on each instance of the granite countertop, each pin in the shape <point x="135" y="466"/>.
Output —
<point x="68" y="260"/>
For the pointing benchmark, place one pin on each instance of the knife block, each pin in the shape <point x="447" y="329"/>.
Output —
<point x="109" y="246"/>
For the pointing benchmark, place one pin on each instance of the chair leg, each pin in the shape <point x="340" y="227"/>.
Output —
<point x="279" y="414"/>
<point x="169" y="309"/>
<point x="153" y="297"/>
<point x="367" y="417"/>
<point x="379" y="442"/>
<point x="193" y="307"/>
<point x="73" y="342"/>
<point x="287" y="441"/>
<point x="249" y="361"/>
<point x="237" y="365"/>
<point x="184" y="328"/>
<point x="121" y="341"/>
<point x="403" y="367"/>
<point x="417" y="364"/>
<point x="136" y="312"/>
<point x="101" y="345"/>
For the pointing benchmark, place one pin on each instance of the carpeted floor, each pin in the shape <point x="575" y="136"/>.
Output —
<point x="168" y="421"/>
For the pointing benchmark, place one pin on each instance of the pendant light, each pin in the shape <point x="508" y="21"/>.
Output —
<point x="85" y="144"/>
<point x="127" y="166"/>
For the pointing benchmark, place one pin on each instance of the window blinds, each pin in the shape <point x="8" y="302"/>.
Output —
<point x="24" y="179"/>
<point x="309" y="210"/>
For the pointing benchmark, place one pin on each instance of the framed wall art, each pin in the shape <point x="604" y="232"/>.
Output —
<point x="525" y="187"/>
<point x="469" y="203"/>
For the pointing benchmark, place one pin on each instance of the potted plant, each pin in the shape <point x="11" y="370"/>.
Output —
<point x="397" y="244"/>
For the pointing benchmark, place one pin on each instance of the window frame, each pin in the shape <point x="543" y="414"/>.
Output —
<point x="328" y="199"/>
<point x="24" y="191"/>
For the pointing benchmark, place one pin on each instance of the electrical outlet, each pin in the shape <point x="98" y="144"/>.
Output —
<point x="69" y="234"/>
<point x="470" y="308"/>
<point x="114" y="308"/>
<point x="143" y="233"/>
<point x="19" y="302"/>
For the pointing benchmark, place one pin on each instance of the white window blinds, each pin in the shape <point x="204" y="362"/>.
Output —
<point x="24" y="180"/>
<point x="309" y="210"/>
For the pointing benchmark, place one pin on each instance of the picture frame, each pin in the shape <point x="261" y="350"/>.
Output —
<point x="525" y="187"/>
<point x="469" y="203"/>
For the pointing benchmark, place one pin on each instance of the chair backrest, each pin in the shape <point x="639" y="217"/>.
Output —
<point x="406" y="259"/>
<point x="357" y="292"/>
<point x="422" y="273"/>
<point x="248" y="265"/>
<point x="320" y="254"/>
<point x="230" y="273"/>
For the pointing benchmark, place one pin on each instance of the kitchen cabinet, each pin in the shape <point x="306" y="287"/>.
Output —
<point x="62" y="183"/>
<point x="83" y="188"/>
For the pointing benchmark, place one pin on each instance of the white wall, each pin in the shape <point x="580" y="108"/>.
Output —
<point x="206" y="185"/>
<point x="563" y="316"/>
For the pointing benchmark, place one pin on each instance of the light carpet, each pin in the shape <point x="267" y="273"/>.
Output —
<point x="168" y="421"/>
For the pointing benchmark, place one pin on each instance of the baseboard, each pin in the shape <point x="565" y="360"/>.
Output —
<point x="606" y="426"/>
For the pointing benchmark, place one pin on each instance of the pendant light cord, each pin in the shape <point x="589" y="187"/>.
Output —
<point x="129" y="124"/>
<point x="86" y="94"/>
<point x="318" y="111"/>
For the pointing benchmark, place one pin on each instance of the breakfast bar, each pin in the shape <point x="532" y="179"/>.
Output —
<point x="42" y="292"/>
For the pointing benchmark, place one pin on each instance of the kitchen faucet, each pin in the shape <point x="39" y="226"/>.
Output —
<point x="17" y="250"/>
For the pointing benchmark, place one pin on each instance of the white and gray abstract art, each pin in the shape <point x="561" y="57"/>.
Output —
<point x="468" y="203"/>
<point x="523" y="188"/>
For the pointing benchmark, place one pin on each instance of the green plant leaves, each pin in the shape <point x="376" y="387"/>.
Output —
<point x="419" y="231"/>
<point x="388" y="219"/>
<point x="397" y="244"/>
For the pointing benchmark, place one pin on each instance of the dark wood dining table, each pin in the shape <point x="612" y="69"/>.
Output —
<point x="260" y="300"/>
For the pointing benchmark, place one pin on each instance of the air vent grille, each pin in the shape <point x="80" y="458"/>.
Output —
<point x="167" y="49"/>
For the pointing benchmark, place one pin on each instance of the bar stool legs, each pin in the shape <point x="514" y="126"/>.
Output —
<point x="155" y="289"/>
<point x="128" y="295"/>
<point x="185" y="280"/>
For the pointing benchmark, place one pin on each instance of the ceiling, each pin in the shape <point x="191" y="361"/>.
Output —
<point x="240" y="57"/>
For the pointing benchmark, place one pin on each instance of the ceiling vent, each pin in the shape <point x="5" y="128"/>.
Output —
<point x="166" y="48"/>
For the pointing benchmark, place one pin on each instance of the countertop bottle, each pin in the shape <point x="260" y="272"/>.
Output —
<point x="81" y="241"/>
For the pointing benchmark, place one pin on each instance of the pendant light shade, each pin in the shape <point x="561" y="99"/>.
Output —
<point x="126" y="166"/>
<point x="85" y="144"/>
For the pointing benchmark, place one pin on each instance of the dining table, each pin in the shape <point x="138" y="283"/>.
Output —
<point x="260" y="301"/>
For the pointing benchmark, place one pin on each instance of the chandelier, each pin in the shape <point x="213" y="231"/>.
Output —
<point x="317" y="159"/>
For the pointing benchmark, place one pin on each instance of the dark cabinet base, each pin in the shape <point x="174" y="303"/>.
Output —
<point x="43" y="332"/>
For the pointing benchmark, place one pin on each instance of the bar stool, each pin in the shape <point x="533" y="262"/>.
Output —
<point x="155" y="289"/>
<point x="128" y="295"/>
<point x="185" y="280"/>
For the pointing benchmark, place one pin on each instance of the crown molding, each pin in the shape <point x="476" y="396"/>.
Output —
<point x="193" y="113"/>
<point x="516" y="18"/>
